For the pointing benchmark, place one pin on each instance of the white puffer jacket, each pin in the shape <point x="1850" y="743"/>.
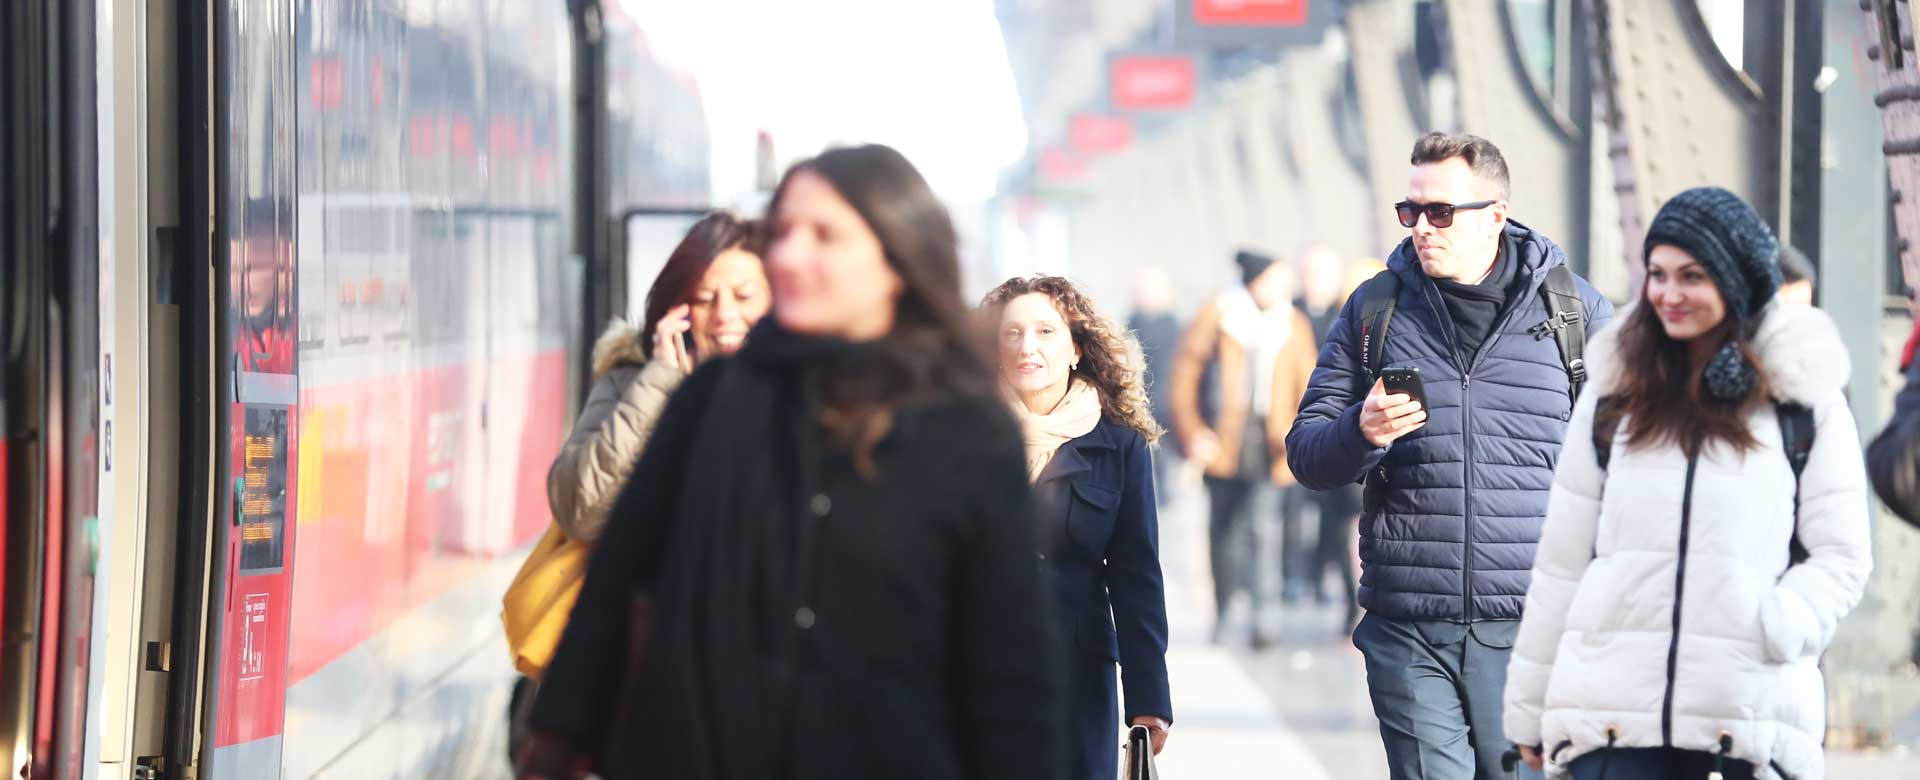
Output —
<point x="1601" y="646"/>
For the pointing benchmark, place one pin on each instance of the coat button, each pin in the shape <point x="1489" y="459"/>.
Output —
<point x="804" y="618"/>
<point x="821" y="505"/>
<point x="1043" y="556"/>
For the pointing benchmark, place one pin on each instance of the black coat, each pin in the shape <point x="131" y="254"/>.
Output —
<point x="1100" y="517"/>
<point x="1893" y="460"/>
<point x="906" y="632"/>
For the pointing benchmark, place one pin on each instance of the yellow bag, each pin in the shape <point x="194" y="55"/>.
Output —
<point x="541" y="597"/>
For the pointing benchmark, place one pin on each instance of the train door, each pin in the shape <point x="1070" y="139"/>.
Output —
<point x="166" y="385"/>
<point x="49" y="371"/>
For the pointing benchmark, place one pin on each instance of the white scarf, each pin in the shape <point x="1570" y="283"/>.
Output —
<point x="1261" y="333"/>
<point x="1074" y="417"/>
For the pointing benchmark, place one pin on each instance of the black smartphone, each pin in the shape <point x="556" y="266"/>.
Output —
<point x="1405" y="380"/>
<point x="686" y="343"/>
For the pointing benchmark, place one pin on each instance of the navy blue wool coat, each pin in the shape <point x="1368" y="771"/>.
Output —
<point x="1102" y="558"/>
<point x="1454" y="509"/>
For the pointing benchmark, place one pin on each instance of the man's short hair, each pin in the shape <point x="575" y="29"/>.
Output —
<point x="1794" y="265"/>
<point x="1481" y="155"/>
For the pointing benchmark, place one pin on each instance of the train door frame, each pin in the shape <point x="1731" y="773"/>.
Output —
<point x="58" y="368"/>
<point x="167" y="291"/>
<point x="27" y="201"/>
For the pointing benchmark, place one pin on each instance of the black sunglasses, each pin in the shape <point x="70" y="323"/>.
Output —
<point x="1438" y="214"/>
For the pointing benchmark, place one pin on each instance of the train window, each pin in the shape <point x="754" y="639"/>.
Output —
<point x="1726" y="21"/>
<point x="1534" y="37"/>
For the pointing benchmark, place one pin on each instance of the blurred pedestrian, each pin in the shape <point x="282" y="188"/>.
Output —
<point x="1796" y="276"/>
<point x="1237" y="380"/>
<point x="1323" y="288"/>
<point x="1076" y="384"/>
<point x="1708" y="525"/>
<point x="1894" y="458"/>
<point x="1158" y="330"/>
<point x="828" y="547"/>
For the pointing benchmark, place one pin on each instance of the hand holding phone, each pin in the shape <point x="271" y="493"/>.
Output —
<point x="1405" y="380"/>
<point x="672" y="340"/>
<point x="1395" y="407"/>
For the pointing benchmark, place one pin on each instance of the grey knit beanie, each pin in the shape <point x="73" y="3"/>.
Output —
<point x="1739" y="252"/>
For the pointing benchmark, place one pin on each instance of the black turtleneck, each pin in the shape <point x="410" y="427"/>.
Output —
<point x="1476" y="308"/>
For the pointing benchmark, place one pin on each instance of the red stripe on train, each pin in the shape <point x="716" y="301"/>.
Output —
<point x="402" y="499"/>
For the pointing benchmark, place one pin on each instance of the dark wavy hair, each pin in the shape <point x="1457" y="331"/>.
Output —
<point x="1663" y="393"/>
<point x="933" y="350"/>
<point x="1110" y="358"/>
<point x="712" y="236"/>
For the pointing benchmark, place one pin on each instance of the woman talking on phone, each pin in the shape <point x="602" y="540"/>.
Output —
<point x="708" y="295"/>
<point x="1707" y="528"/>
<point x="828" y="537"/>
<point x="711" y="292"/>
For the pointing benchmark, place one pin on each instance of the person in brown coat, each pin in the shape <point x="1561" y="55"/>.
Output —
<point x="1236" y="384"/>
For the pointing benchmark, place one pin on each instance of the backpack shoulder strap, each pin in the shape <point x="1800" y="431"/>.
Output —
<point x="1796" y="437"/>
<point x="1379" y="297"/>
<point x="1567" y="322"/>
<point x="1606" y="422"/>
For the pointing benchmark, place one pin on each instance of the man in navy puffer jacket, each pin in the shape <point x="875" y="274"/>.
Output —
<point x="1455" y="493"/>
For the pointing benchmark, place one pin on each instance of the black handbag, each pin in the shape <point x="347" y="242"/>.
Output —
<point x="1138" y="764"/>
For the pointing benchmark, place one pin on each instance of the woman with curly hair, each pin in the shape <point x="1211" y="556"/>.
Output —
<point x="1075" y="383"/>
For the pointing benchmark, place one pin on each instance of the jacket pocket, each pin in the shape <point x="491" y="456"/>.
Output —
<point x="1091" y="516"/>
<point x="1788" y="627"/>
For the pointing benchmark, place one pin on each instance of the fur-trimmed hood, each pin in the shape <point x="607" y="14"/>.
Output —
<point x="1799" y="347"/>
<point x="618" y="345"/>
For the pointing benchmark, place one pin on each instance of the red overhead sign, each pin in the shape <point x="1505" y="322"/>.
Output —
<point x="1059" y="166"/>
<point x="1096" y="134"/>
<point x="1264" y="13"/>
<point x="1152" y="82"/>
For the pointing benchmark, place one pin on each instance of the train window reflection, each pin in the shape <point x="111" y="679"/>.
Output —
<point x="262" y="262"/>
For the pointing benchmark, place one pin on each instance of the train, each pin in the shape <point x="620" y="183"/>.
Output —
<point x="296" y="303"/>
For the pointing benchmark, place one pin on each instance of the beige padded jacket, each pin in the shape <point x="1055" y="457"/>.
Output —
<point x="628" y="393"/>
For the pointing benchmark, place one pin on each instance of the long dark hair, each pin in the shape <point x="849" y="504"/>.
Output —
<point x="1663" y="393"/>
<point x="1110" y="358"/>
<point x="712" y="236"/>
<point x="933" y="351"/>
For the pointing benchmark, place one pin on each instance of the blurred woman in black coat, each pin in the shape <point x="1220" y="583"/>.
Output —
<point x="834" y="528"/>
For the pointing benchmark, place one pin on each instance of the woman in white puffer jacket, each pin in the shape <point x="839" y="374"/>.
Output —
<point x="1668" y="632"/>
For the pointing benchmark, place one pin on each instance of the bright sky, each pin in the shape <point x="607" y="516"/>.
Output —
<point x="928" y="77"/>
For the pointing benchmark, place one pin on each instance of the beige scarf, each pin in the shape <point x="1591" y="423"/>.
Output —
<point x="1075" y="417"/>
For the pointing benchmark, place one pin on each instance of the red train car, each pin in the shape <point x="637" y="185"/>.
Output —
<point x="296" y="293"/>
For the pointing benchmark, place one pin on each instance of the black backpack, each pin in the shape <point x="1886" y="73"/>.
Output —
<point x="1796" y="437"/>
<point x="1566" y="322"/>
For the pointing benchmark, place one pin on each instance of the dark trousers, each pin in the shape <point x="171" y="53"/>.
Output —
<point x="1296" y="560"/>
<point x="1654" y="764"/>
<point x="1337" y="509"/>
<point x="1232" y="545"/>
<point x="1437" y="693"/>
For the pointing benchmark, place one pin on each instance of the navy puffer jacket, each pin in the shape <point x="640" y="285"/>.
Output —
<point x="1453" y="510"/>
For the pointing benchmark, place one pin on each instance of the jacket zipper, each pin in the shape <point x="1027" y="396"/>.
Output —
<point x="1466" y="505"/>
<point x="1467" y="364"/>
<point x="1679" y="595"/>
